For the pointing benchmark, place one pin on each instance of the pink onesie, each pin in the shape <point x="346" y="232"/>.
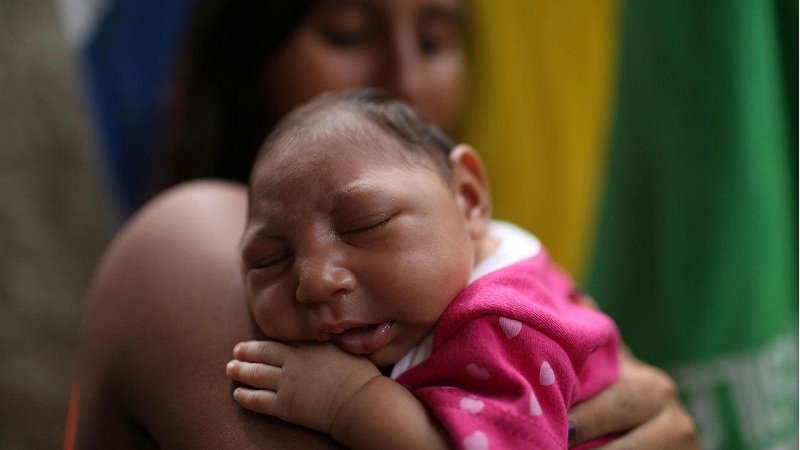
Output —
<point x="510" y="355"/>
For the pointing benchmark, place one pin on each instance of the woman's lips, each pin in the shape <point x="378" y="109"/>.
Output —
<point x="364" y="340"/>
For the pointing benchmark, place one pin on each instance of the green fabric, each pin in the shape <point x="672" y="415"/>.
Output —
<point x="696" y="249"/>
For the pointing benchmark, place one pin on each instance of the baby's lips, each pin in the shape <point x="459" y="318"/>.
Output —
<point x="364" y="340"/>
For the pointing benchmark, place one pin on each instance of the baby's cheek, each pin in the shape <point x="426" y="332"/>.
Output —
<point x="281" y="325"/>
<point x="440" y="276"/>
<point x="275" y="315"/>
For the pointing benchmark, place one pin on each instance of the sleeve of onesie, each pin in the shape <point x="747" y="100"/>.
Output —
<point x="498" y="383"/>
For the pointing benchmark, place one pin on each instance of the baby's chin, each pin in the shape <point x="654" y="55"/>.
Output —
<point x="385" y="358"/>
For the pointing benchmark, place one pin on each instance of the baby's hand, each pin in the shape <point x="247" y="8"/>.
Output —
<point x="306" y="384"/>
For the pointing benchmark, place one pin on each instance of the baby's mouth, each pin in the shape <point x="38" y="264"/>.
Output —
<point x="363" y="340"/>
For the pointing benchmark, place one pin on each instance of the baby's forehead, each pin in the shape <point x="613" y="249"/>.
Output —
<point x="331" y="139"/>
<point x="336" y="157"/>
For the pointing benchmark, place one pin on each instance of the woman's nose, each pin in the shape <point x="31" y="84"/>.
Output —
<point x="404" y="69"/>
<point x="322" y="279"/>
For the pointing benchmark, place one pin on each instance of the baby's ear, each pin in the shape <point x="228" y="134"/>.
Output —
<point x="471" y="189"/>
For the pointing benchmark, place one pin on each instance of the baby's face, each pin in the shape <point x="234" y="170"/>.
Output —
<point x="349" y="241"/>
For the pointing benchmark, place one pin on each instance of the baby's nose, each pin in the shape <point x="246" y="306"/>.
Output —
<point x="323" y="280"/>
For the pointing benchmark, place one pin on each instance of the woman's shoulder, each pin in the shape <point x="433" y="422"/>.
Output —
<point x="179" y="251"/>
<point x="165" y="308"/>
<point x="197" y="195"/>
<point x="165" y="311"/>
<point x="201" y="220"/>
<point x="190" y="226"/>
<point x="192" y="206"/>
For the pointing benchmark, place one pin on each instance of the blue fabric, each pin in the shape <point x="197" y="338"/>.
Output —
<point x="128" y="58"/>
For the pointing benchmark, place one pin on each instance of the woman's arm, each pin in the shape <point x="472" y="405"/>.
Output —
<point x="165" y="309"/>
<point x="643" y="405"/>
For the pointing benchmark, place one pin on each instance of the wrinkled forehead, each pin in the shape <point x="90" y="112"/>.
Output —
<point x="334" y="142"/>
<point x="312" y="168"/>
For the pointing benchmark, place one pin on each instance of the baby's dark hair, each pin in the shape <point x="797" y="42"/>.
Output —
<point x="401" y="122"/>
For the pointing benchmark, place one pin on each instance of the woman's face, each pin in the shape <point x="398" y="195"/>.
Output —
<point x="409" y="48"/>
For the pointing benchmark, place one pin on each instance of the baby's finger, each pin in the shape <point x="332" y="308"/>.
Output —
<point x="267" y="352"/>
<point x="262" y="376"/>
<point x="264" y="402"/>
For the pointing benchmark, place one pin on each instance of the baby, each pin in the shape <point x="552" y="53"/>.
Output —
<point x="369" y="244"/>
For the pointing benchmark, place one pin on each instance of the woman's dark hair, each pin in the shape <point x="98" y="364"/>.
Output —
<point x="215" y="119"/>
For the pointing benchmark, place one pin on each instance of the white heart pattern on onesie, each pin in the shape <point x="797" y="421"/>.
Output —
<point x="476" y="441"/>
<point x="535" y="409"/>
<point x="471" y="404"/>
<point x="510" y="327"/>
<point x="546" y="375"/>
<point x="477" y="371"/>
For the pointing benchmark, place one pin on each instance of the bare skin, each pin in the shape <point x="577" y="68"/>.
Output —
<point x="349" y="399"/>
<point x="166" y="309"/>
<point x="386" y="215"/>
<point x="660" y="402"/>
<point x="409" y="48"/>
<point x="324" y="258"/>
<point x="168" y="306"/>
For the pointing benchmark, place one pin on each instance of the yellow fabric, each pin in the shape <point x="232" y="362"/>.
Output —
<point x="540" y="102"/>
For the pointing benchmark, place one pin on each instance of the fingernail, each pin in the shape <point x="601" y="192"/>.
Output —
<point x="570" y="431"/>
<point x="229" y="366"/>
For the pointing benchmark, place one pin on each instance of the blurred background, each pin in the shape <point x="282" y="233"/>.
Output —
<point x="55" y="219"/>
<point x="651" y="145"/>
